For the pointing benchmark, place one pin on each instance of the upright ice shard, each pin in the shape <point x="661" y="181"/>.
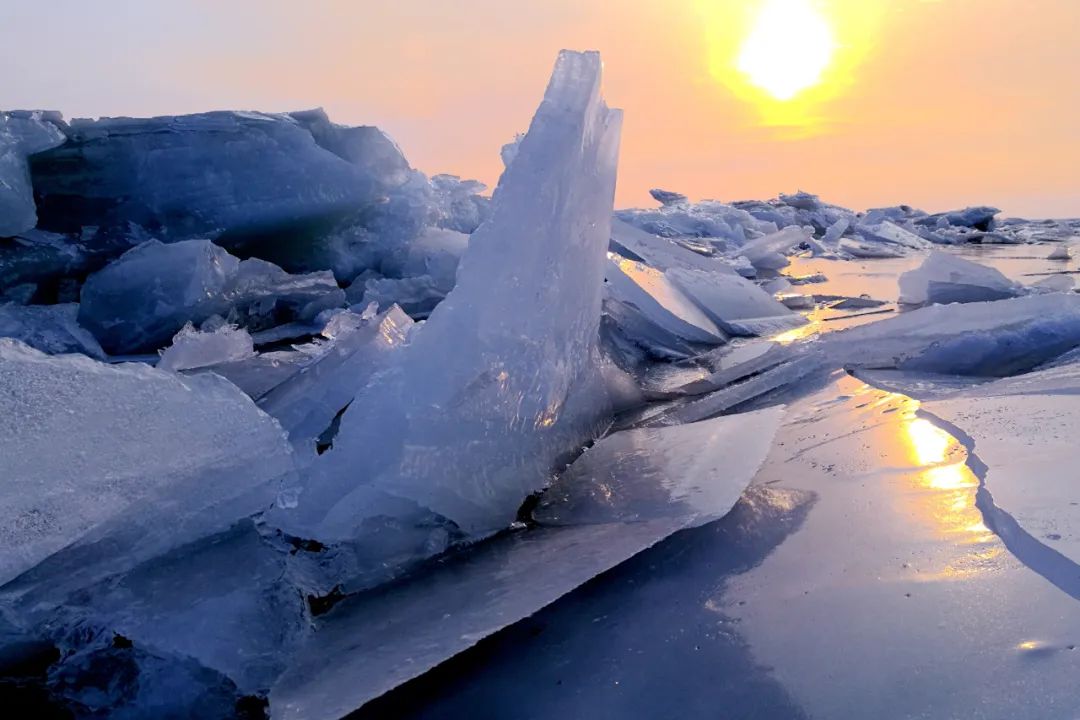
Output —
<point x="22" y="133"/>
<point x="503" y="380"/>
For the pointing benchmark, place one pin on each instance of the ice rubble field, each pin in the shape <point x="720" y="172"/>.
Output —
<point x="291" y="429"/>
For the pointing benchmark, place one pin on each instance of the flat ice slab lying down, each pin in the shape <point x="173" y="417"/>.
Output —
<point x="630" y="491"/>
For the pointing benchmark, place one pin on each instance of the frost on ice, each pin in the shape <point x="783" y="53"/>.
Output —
<point x="123" y="457"/>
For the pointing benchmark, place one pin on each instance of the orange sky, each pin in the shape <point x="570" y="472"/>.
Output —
<point x="932" y="103"/>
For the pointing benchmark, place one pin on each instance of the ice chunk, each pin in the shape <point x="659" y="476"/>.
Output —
<point x="22" y="133"/>
<point x="261" y="294"/>
<point x="42" y="259"/>
<point x="741" y="265"/>
<point x="801" y="200"/>
<point x="504" y="378"/>
<point x="382" y="639"/>
<point x="123" y="457"/>
<point x="946" y="278"/>
<point x="628" y="333"/>
<point x="776" y="285"/>
<point x="230" y="176"/>
<point x="988" y="338"/>
<point x="261" y="373"/>
<point x="52" y="329"/>
<point x="797" y="301"/>
<point x="979" y="218"/>
<point x="707" y="219"/>
<point x="659" y="302"/>
<point x="140" y="301"/>
<point x="1056" y="283"/>
<point x="192" y="349"/>
<point x="694" y="471"/>
<point x="667" y="197"/>
<point x="417" y="296"/>
<point x="777" y="371"/>
<point x="836" y="231"/>
<point x="768" y="253"/>
<point x="736" y="305"/>
<point x="419" y="275"/>
<point x="1061" y="252"/>
<point x="458" y="204"/>
<point x="308" y="401"/>
<point x="870" y="251"/>
<point x="365" y="147"/>
<point x="894" y="214"/>
<point x="888" y="233"/>
<point x="711" y="371"/>
<point x="220" y="602"/>
<point x="435" y="253"/>
<point x="658" y="252"/>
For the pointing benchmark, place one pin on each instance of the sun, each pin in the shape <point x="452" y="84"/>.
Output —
<point x="789" y="47"/>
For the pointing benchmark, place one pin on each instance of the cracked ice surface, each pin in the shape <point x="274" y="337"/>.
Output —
<point x="503" y="379"/>
<point x="1022" y="433"/>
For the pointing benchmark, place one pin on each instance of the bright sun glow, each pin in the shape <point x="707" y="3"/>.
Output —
<point x="929" y="442"/>
<point x="788" y="49"/>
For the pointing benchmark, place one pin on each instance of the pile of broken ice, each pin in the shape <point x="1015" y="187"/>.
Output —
<point x="252" y="364"/>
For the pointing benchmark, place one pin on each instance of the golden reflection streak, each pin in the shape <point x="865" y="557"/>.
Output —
<point x="948" y="503"/>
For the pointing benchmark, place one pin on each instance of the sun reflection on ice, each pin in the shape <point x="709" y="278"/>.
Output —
<point x="945" y="496"/>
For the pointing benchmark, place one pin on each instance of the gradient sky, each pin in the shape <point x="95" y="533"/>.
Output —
<point x="932" y="103"/>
